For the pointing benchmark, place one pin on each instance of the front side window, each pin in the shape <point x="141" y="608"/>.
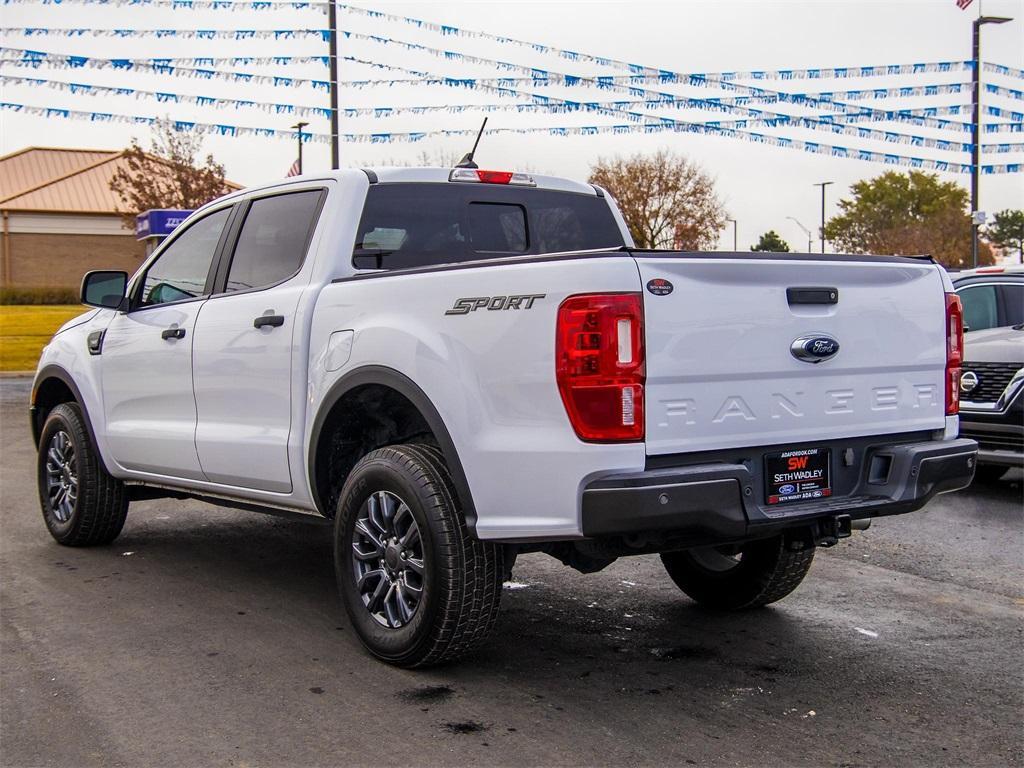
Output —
<point x="180" y="272"/>
<point x="273" y="240"/>
<point x="980" y="308"/>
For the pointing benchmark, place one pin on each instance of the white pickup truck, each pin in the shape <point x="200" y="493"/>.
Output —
<point x="460" y="365"/>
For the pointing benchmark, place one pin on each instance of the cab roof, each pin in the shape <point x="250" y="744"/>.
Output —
<point x="428" y="175"/>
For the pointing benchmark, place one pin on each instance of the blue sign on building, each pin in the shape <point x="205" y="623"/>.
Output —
<point x="158" y="222"/>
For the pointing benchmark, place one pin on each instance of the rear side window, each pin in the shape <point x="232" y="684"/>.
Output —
<point x="417" y="225"/>
<point x="273" y="240"/>
<point x="980" y="308"/>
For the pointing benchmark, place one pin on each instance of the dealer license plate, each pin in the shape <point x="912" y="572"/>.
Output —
<point x="797" y="475"/>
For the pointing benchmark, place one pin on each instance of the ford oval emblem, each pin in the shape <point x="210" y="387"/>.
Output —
<point x="814" y="349"/>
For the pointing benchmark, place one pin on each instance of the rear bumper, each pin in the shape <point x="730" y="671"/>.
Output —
<point x="720" y="502"/>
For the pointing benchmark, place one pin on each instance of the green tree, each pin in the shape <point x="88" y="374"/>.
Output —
<point x="909" y="214"/>
<point x="1007" y="231"/>
<point x="770" y="241"/>
<point x="667" y="200"/>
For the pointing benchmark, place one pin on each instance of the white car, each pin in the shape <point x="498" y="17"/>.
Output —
<point x="460" y="365"/>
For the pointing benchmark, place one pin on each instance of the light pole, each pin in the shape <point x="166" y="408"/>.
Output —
<point x="332" y="48"/>
<point x="810" y="235"/>
<point x="298" y="128"/>
<point x="976" y="123"/>
<point x="735" y="241"/>
<point x="823" y="184"/>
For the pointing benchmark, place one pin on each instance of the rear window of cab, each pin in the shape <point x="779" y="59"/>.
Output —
<point x="408" y="225"/>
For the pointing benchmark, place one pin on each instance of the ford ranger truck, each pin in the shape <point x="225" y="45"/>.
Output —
<point x="456" y="366"/>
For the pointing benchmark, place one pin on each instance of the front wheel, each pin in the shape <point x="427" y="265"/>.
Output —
<point x="82" y="504"/>
<point x="729" y="579"/>
<point x="417" y="587"/>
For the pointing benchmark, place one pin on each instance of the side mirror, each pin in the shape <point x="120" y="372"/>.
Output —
<point x="104" y="288"/>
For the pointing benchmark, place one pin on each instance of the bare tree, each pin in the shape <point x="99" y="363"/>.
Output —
<point x="169" y="175"/>
<point x="667" y="200"/>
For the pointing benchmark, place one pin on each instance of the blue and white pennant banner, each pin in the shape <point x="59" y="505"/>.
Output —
<point x="1000" y="69"/>
<point x="504" y="86"/>
<point x="500" y="86"/>
<point x="181" y="34"/>
<point x="814" y="73"/>
<point x="167" y="97"/>
<point x="540" y="76"/>
<point x="447" y="30"/>
<point x="198" y="5"/>
<point x="34" y="57"/>
<point x="390" y="137"/>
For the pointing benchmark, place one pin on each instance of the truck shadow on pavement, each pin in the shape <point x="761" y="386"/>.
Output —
<point x="624" y="624"/>
<point x="245" y="606"/>
<point x="284" y="568"/>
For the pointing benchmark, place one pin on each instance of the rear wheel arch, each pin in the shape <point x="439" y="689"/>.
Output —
<point x="343" y="395"/>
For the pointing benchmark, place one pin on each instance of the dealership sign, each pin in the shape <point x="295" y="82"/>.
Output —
<point x="158" y="222"/>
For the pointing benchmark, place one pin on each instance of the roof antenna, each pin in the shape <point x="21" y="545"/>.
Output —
<point x="467" y="159"/>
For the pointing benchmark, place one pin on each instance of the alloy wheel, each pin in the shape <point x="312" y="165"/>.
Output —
<point x="61" y="476"/>
<point x="388" y="559"/>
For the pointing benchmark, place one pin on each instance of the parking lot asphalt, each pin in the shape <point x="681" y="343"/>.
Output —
<point x="206" y="636"/>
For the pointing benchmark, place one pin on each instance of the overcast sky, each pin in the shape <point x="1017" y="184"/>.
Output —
<point x="761" y="186"/>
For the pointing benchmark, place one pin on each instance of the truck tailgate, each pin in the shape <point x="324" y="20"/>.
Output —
<point x="721" y="373"/>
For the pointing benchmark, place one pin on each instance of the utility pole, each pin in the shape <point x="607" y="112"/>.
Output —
<point x="298" y="127"/>
<point x="823" y="184"/>
<point x="810" y="236"/>
<point x="976" y="26"/>
<point x="332" y="23"/>
<point x="735" y="241"/>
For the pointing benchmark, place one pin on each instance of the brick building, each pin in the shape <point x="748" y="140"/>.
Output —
<point x="60" y="218"/>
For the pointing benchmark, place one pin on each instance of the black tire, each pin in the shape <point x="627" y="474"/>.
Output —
<point x="461" y="576"/>
<point x="988" y="473"/>
<point x="764" y="571"/>
<point x="93" y="505"/>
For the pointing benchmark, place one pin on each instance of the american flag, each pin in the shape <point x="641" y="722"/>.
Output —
<point x="962" y="4"/>
<point x="294" y="170"/>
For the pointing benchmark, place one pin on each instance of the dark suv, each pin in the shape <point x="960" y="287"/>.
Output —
<point x="992" y="382"/>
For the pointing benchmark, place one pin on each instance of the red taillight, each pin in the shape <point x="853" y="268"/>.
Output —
<point x="494" y="177"/>
<point x="954" y="352"/>
<point x="478" y="176"/>
<point x="599" y="365"/>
